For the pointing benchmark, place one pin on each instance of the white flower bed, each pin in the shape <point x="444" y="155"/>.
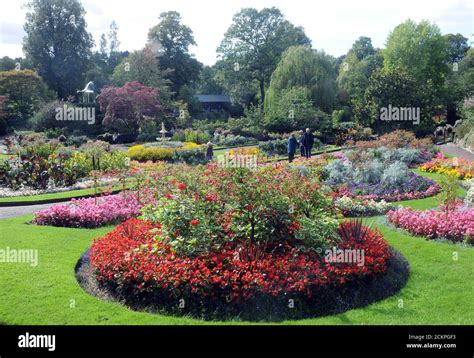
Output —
<point x="356" y="207"/>
<point x="26" y="191"/>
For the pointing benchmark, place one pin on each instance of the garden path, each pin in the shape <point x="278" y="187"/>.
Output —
<point x="455" y="151"/>
<point x="14" y="211"/>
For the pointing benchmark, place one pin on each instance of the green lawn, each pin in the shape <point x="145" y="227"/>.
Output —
<point x="439" y="290"/>
<point x="433" y="201"/>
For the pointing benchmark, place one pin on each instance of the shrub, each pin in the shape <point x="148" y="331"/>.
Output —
<point x="371" y="173"/>
<point x="45" y="117"/>
<point x="396" y="174"/>
<point x="469" y="199"/>
<point x="195" y="136"/>
<point x="398" y="138"/>
<point x="190" y="156"/>
<point x="274" y="147"/>
<point x="258" y="206"/>
<point x="164" y="152"/>
<point x="126" y="106"/>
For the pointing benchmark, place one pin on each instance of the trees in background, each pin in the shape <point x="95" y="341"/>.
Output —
<point x="266" y="64"/>
<point x="302" y="66"/>
<point x="142" y="66"/>
<point x="422" y="51"/>
<point x="106" y="59"/>
<point x="25" y="91"/>
<point x="58" y="44"/>
<point x="397" y="88"/>
<point x="354" y="74"/>
<point x="457" y="47"/>
<point x="126" y="106"/>
<point x="294" y="110"/>
<point x="252" y="48"/>
<point x="170" y="41"/>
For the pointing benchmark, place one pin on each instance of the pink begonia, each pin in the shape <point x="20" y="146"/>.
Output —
<point x="454" y="225"/>
<point x="84" y="213"/>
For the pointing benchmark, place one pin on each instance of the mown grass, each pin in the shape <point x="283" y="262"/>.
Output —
<point x="439" y="290"/>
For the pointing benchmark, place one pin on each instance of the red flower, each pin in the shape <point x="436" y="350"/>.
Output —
<point x="194" y="222"/>
<point x="168" y="196"/>
<point x="181" y="186"/>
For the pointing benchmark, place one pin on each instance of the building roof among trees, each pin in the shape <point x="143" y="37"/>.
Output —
<point x="212" y="98"/>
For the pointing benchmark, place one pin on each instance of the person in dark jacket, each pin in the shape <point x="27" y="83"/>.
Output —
<point x="301" y="143"/>
<point x="292" y="143"/>
<point x="209" y="151"/>
<point x="308" y="142"/>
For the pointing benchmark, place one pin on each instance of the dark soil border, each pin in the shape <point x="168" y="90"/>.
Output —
<point x="264" y="308"/>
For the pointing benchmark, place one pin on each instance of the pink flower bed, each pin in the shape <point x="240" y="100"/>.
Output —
<point x="454" y="225"/>
<point x="84" y="213"/>
<point x="431" y="191"/>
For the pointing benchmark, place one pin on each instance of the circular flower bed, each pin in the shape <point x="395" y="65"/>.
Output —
<point x="259" y="245"/>
<point x="285" y="283"/>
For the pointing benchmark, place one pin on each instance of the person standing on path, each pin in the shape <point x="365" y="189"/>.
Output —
<point x="209" y="151"/>
<point x="292" y="143"/>
<point x="301" y="143"/>
<point x="308" y="142"/>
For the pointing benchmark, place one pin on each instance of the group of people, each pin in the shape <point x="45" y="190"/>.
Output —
<point x="305" y="142"/>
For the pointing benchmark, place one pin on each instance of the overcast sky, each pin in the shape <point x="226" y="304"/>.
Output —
<point x="332" y="25"/>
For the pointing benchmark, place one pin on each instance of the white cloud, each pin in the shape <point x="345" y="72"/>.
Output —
<point x="332" y="25"/>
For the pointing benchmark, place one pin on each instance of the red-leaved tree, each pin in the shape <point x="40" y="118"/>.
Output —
<point x="126" y="106"/>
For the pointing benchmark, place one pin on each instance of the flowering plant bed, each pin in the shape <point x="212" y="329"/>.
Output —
<point x="379" y="174"/>
<point x="91" y="212"/>
<point x="415" y="187"/>
<point x="354" y="207"/>
<point x="454" y="225"/>
<point x="234" y="242"/>
<point x="457" y="167"/>
<point x="243" y="279"/>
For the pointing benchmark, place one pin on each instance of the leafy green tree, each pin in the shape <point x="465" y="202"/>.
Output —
<point x="58" y="44"/>
<point x="457" y="47"/>
<point x="252" y="48"/>
<point x="207" y="82"/>
<point x="460" y="84"/>
<point x="396" y="87"/>
<point x="292" y="110"/>
<point x="302" y="66"/>
<point x="171" y="40"/>
<point x="142" y="66"/>
<point x="354" y="73"/>
<point x="19" y="63"/>
<point x="362" y="48"/>
<point x="25" y="91"/>
<point x="422" y="51"/>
